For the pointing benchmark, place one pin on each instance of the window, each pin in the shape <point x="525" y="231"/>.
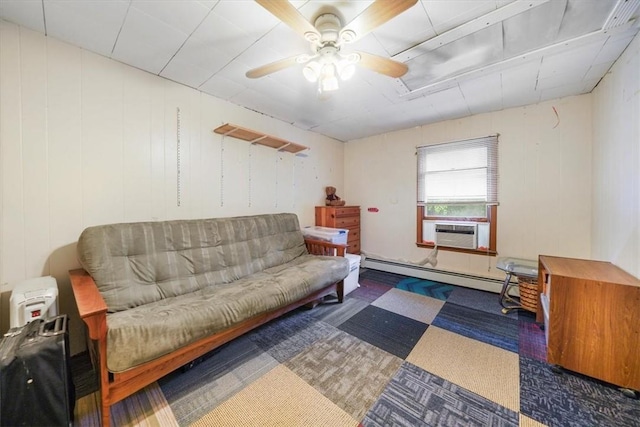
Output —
<point x="458" y="181"/>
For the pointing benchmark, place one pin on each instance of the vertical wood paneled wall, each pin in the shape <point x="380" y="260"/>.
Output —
<point x="85" y="140"/>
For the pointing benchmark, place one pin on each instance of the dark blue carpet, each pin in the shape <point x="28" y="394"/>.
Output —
<point x="489" y="328"/>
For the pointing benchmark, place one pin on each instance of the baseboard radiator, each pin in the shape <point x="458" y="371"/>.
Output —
<point x="459" y="279"/>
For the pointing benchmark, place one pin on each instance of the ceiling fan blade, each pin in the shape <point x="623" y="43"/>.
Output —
<point x="381" y="65"/>
<point x="372" y="17"/>
<point x="287" y="13"/>
<point x="274" y="66"/>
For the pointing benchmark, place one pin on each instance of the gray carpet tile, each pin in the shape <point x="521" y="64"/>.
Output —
<point x="335" y="315"/>
<point x="415" y="397"/>
<point x="287" y="336"/>
<point x="348" y="371"/>
<point x="218" y="375"/>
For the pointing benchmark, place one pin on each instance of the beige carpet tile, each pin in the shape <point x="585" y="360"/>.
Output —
<point x="529" y="422"/>
<point x="279" y="398"/>
<point x="489" y="371"/>
<point x="415" y="306"/>
<point x="148" y="407"/>
<point x="350" y="372"/>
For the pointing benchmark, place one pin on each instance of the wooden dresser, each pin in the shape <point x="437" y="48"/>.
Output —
<point x="591" y="311"/>
<point x="347" y="217"/>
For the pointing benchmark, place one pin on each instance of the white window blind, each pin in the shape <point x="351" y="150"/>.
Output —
<point x="460" y="172"/>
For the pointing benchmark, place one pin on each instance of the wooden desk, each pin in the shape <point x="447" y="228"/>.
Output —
<point x="591" y="311"/>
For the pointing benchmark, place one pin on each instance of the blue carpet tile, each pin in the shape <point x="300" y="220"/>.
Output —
<point x="571" y="399"/>
<point x="391" y="332"/>
<point x="428" y="288"/>
<point x="489" y="328"/>
<point x="414" y="397"/>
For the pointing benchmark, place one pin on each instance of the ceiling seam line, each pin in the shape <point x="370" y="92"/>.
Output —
<point x="115" y="42"/>
<point x="188" y="38"/>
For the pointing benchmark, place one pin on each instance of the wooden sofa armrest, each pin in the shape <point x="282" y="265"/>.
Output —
<point x="91" y="305"/>
<point x="321" y="247"/>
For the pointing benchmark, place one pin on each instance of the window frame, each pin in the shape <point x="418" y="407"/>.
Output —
<point x="491" y="213"/>
<point x="492" y="219"/>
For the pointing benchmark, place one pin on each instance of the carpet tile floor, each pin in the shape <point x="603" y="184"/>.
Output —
<point x="398" y="351"/>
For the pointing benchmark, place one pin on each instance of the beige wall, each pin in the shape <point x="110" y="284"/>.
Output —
<point x="616" y="158"/>
<point x="85" y="140"/>
<point x="544" y="186"/>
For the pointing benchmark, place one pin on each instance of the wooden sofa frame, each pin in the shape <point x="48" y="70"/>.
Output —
<point x="115" y="387"/>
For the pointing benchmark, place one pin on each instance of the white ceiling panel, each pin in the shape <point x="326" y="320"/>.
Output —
<point x="183" y="15"/>
<point x="584" y="16"/>
<point x="537" y="28"/>
<point x="449" y="103"/>
<point x="186" y="73"/>
<point x="447" y="15"/>
<point x="596" y="71"/>
<point x="28" y="14"/>
<point x="463" y="57"/>
<point x="221" y="87"/>
<point x="562" y="91"/>
<point x="407" y="29"/>
<point x="93" y="25"/>
<point x="577" y="61"/>
<point x="612" y="49"/>
<point x="249" y="16"/>
<point x="522" y="77"/>
<point x="147" y="42"/>
<point x="480" y="93"/>
<point x="199" y="53"/>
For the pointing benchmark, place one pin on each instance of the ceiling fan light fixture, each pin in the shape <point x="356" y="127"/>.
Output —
<point x="347" y="67"/>
<point x="328" y="78"/>
<point x="347" y="71"/>
<point x="311" y="71"/>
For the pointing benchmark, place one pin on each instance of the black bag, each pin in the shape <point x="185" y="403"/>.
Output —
<point x="36" y="388"/>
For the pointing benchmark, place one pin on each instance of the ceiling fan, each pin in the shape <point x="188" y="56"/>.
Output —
<point x="327" y="63"/>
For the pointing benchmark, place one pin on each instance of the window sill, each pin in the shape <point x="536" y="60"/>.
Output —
<point x="451" y="249"/>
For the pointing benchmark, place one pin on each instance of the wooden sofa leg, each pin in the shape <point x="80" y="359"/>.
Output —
<point x="340" y="290"/>
<point x="105" y="414"/>
<point x="105" y="407"/>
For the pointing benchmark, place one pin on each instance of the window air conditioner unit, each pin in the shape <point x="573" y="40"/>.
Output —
<point x="457" y="235"/>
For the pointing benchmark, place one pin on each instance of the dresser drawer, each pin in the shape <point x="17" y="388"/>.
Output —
<point x="347" y="211"/>
<point x="354" y="247"/>
<point x="354" y="234"/>
<point x="348" y="222"/>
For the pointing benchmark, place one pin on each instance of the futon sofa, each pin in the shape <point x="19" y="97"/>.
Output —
<point x="157" y="295"/>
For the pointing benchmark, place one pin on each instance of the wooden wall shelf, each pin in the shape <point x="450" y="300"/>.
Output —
<point x="259" y="138"/>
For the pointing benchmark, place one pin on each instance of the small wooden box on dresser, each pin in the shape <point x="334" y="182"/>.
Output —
<point x="347" y="217"/>
<point x="591" y="312"/>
